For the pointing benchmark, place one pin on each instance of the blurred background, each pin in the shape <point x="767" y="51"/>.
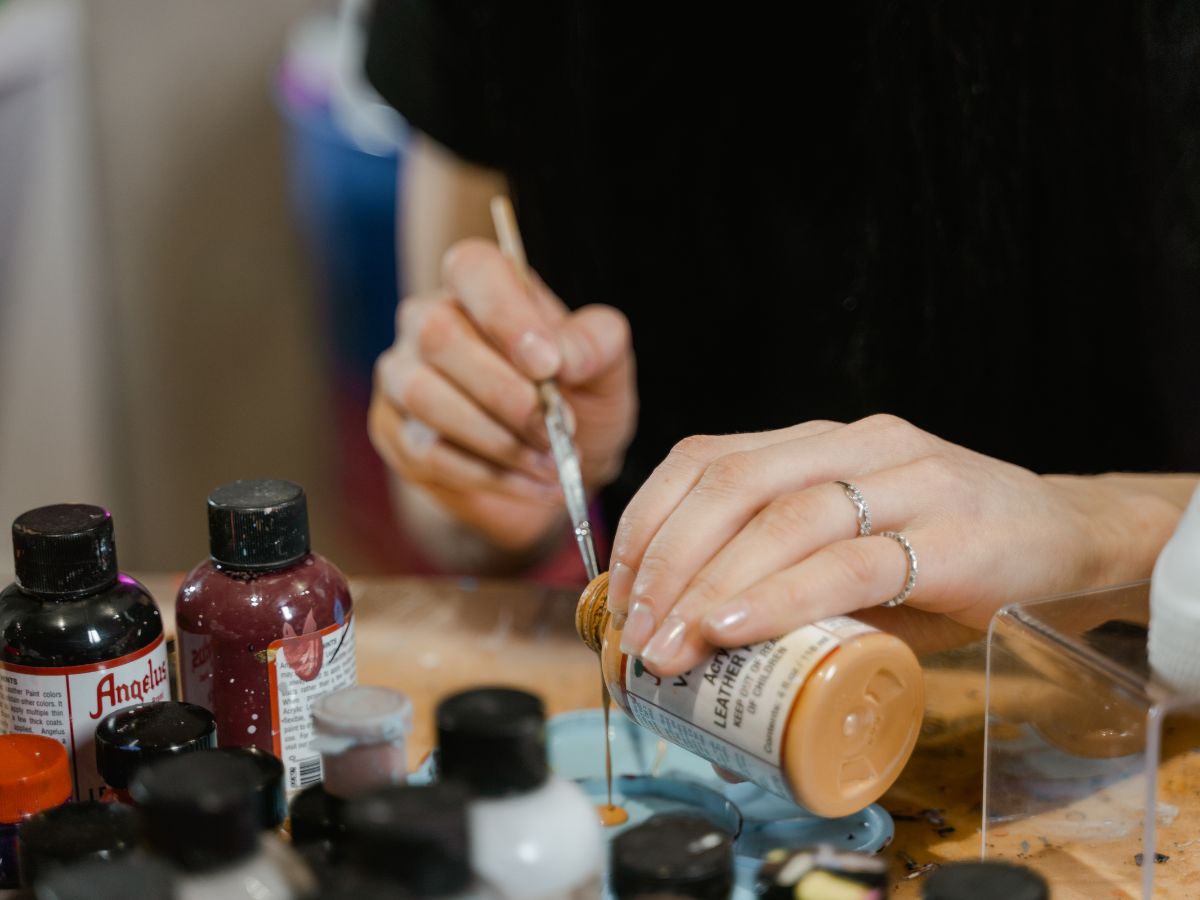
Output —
<point x="197" y="265"/>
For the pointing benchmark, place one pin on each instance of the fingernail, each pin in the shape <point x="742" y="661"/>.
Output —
<point x="418" y="437"/>
<point x="638" y="629"/>
<point x="569" y="418"/>
<point x="542" y="463"/>
<point x="532" y="487"/>
<point x="539" y="357"/>
<point x="620" y="582"/>
<point x="727" y="618"/>
<point x="666" y="644"/>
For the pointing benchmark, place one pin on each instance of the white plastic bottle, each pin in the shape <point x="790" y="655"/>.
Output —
<point x="201" y="815"/>
<point x="534" y="836"/>
<point x="1175" y="605"/>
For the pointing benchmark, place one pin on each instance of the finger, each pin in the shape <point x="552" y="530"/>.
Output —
<point x="417" y="453"/>
<point x="594" y="341"/>
<point x="501" y="306"/>
<point x="841" y="578"/>
<point x="448" y="342"/>
<point x="786" y="531"/>
<point x="425" y="395"/>
<point x="733" y="488"/>
<point x="666" y="488"/>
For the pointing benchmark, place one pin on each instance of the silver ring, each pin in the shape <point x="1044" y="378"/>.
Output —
<point x="911" y="581"/>
<point x="855" y="496"/>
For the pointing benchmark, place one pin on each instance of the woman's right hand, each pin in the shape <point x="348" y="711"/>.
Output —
<point x="455" y="409"/>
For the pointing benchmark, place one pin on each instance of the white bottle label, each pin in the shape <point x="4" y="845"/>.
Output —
<point x="302" y="668"/>
<point x="67" y="703"/>
<point x="733" y="711"/>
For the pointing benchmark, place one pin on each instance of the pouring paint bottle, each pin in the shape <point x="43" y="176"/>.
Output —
<point x="78" y="639"/>
<point x="133" y="737"/>
<point x="264" y="625"/>
<point x="35" y="775"/>
<point x="826" y="716"/>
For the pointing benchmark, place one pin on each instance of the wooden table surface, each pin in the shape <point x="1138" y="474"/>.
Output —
<point x="430" y="638"/>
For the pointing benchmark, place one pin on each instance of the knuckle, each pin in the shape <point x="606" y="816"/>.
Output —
<point x="727" y="475"/>
<point x="437" y="330"/>
<point x="853" y="563"/>
<point x="785" y="517"/>
<point x="411" y="389"/>
<point x="464" y="258"/>
<point x="696" y="449"/>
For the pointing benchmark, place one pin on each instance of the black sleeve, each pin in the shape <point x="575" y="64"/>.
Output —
<point x="461" y="70"/>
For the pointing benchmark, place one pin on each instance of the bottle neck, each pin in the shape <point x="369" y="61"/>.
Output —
<point x="592" y="615"/>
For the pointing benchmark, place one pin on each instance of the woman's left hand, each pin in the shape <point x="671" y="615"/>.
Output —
<point x="742" y="538"/>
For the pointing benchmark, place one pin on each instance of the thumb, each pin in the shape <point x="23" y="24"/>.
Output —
<point x="593" y="341"/>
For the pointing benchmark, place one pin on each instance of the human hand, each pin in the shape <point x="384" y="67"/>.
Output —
<point x="746" y="537"/>
<point x="455" y="409"/>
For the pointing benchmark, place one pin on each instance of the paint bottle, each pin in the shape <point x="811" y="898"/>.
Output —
<point x="268" y="786"/>
<point x="75" y="833"/>
<point x="200" y="813"/>
<point x="264" y="625"/>
<point x="123" y="879"/>
<point x="35" y="775"/>
<point x="130" y="738"/>
<point x="78" y="639"/>
<point x="361" y="733"/>
<point x="988" y="880"/>
<point x="822" y="872"/>
<point x="672" y="855"/>
<point x="533" y="835"/>
<point x="416" y="838"/>
<point x="826" y="716"/>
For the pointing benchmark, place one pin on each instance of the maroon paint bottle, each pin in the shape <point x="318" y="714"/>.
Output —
<point x="265" y="626"/>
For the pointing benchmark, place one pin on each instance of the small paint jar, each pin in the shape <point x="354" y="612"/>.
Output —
<point x="672" y="855"/>
<point x="75" y="833"/>
<point x="35" y="775"/>
<point x="268" y="786"/>
<point x="265" y="626"/>
<point x="362" y="734"/>
<point x="131" y="738"/>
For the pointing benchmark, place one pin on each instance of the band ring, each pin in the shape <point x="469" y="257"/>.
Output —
<point x="911" y="581"/>
<point x="863" y="512"/>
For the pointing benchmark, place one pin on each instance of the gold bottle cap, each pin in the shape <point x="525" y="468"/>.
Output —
<point x="591" y="615"/>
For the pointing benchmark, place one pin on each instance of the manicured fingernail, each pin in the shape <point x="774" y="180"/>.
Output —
<point x="418" y="437"/>
<point x="532" y="487"/>
<point x="638" y="629"/>
<point x="542" y="463"/>
<point x="727" y="618"/>
<point x="666" y="643"/>
<point x="539" y="357"/>
<point x="620" y="582"/>
<point x="569" y="418"/>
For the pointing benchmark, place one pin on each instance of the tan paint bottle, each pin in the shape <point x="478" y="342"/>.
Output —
<point x="826" y="716"/>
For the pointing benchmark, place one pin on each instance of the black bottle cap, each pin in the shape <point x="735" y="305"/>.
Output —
<point x="493" y="740"/>
<point x="146" y="879"/>
<point x="136" y="735"/>
<point x="258" y="524"/>
<point x="198" y="810"/>
<point x="73" y="833"/>
<point x="317" y="817"/>
<point x="680" y="855"/>
<point x="64" y="549"/>
<point x="985" y="881"/>
<point x="272" y="798"/>
<point x="414" y="835"/>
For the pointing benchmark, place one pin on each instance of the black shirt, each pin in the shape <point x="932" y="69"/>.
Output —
<point x="982" y="219"/>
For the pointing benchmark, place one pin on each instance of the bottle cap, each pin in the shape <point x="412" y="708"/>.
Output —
<point x="258" y="524"/>
<point x="360" y="715"/>
<point x="73" y="833"/>
<point x="416" y="836"/>
<point x="146" y="879"/>
<point x="136" y="735"/>
<point x="272" y="798"/>
<point x="493" y="740"/>
<point x="317" y="817"/>
<point x="199" y="810"/>
<point x="35" y="774"/>
<point x="64" y="549"/>
<point x="985" y="881"/>
<point x="821" y="871"/>
<point x="680" y="855"/>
